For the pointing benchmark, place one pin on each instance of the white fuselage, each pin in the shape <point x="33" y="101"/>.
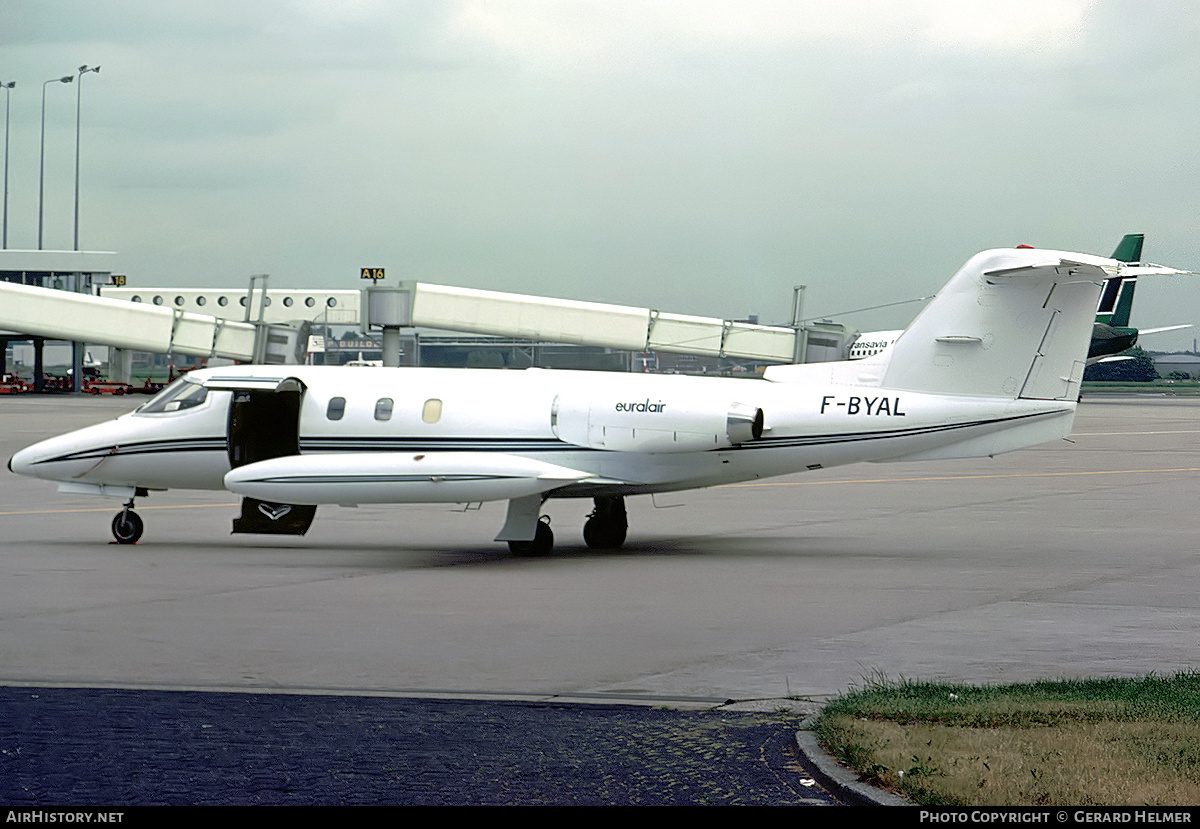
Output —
<point x="379" y="435"/>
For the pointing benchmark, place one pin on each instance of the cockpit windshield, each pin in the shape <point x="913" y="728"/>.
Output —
<point x="182" y="394"/>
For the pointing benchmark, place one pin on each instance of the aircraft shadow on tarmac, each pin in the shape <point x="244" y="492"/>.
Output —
<point x="399" y="555"/>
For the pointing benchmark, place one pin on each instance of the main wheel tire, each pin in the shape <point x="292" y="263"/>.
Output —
<point x="540" y="545"/>
<point x="604" y="535"/>
<point x="127" y="527"/>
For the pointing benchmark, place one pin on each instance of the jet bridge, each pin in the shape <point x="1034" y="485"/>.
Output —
<point x="60" y="315"/>
<point x="205" y="323"/>
<point x="473" y="311"/>
<point x="498" y="313"/>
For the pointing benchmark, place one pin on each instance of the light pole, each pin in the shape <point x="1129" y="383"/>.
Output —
<point x="7" y="87"/>
<point x="83" y="70"/>
<point x="42" y="164"/>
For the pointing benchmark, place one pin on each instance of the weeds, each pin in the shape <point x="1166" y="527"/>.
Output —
<point x="1089" y="741"/>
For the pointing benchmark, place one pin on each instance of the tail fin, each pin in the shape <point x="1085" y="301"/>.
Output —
<point x="1116" y="302"/>
<point x="1130" y="248"/>
<point x="1119" y="312"/>
<point x="1010" y="323"/>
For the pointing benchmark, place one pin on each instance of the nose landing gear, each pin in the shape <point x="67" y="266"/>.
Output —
<point x="127" y="525"/>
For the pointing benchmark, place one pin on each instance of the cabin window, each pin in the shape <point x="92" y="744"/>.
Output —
<point x="383" y="408"/>
<point x="432" y="412"/>
<point x="336" y="408"/>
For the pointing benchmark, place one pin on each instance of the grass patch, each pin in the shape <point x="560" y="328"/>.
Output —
<point x="1108" y="742"/>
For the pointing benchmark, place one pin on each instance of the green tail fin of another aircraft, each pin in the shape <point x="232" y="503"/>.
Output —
<point x="1130" y="248"/>
<point x="1116" y="303"/>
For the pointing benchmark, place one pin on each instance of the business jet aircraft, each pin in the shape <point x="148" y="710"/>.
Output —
<point x="1111" y="333"/>
<point x="991" y="365"/>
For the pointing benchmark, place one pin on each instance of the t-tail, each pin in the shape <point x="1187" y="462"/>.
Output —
<point x="1010" y="324"/>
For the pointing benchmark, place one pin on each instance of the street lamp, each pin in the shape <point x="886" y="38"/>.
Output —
<point x="7" y="87"/>
<point x="83" y="70"/>
<point x="42" y="165"/>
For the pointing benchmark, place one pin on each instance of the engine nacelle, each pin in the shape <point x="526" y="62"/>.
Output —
<point x="672" y="423"/>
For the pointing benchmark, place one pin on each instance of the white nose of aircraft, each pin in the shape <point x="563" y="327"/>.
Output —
<point x="49" y="459"/>
<point x="67" y="456"/>
<point x="20" y="463"/>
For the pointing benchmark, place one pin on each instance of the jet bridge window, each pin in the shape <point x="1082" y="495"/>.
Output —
<point x="336" y="408"/>
<point x="383" y="408"/>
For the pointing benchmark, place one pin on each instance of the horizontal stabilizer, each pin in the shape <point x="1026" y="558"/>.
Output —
<point x="1144" y="331"/>
<point x="1056" y="268"/>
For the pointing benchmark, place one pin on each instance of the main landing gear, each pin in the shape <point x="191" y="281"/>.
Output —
<point x="607" y="524"/>
<point x="540" y="545"/>
<point x="127" y="525"/>
<point x="605" y="529"/>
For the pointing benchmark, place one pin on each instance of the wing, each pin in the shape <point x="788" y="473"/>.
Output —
<point x="398" y="478"/>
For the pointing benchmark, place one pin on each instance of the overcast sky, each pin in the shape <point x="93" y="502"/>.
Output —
<point x="693" y="156"/>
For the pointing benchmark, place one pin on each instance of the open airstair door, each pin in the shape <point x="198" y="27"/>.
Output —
<point x="264" y="423"/>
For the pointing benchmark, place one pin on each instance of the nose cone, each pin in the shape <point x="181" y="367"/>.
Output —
<point x="37" y="460"/>
<point x="25" y="461"/>
<point x="64" y="457"/>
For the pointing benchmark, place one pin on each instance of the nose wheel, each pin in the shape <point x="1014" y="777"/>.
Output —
<point x="127" y="525"/>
